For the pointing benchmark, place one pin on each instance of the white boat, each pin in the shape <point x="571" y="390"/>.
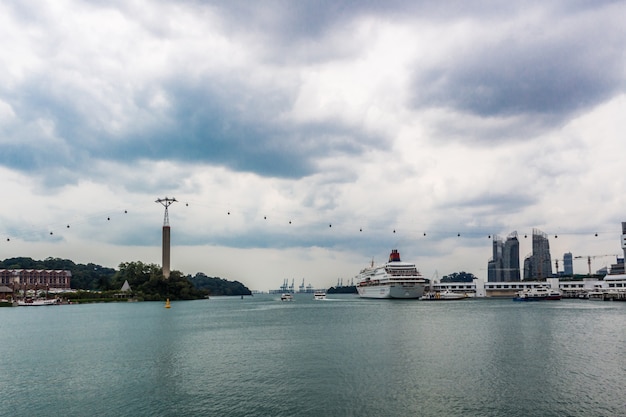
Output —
<point x="595" y="295"/>
<point x="394" y="279"/>
<point x="319" y="295"/>
<point x="538" y="294"/>
<point x="443" y="296"/>
<point x="286" y="297"/>
<point x="28" y="302"/>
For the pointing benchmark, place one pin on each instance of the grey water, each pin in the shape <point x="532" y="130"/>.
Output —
<point x="343" y="356"/>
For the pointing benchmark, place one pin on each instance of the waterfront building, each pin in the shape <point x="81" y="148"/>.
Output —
<point x="504" y="265"/>
<point x="612" y="286"/>
<point x="510" y="289"/>
<point x="466" y="288"/>
<point x="510" y="257"/>
<point x="624" y="238"/>
<point x="618" y="267"/>
<point x="494" y="265"/>
<point x="36" y="278"/>
<point x="538" y="265"/>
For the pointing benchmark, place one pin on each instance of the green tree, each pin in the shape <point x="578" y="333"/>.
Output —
<point x="147" y="281"/>
<point x="84" y="277"/>
<point x="458" y="277"/>
<point x="219" y="286"/>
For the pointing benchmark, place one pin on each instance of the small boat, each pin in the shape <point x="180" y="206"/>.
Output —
<point x="286" y="297"/>
<point x="319" y="295"/>
<point x="538" y="294"/>
<point x="32" y="302"/>
<point x="445" y="295"/>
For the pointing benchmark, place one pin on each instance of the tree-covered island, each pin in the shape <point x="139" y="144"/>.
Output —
<point x="97" y="283"/>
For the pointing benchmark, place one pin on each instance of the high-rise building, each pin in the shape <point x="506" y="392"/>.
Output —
<point x="624" y="238"/>
<point x="510" y="258"/>
<point x="538" y="265"/>
<point x="568" y="264"/>
<point x="618" y="267"/>
<point x="495" y="264"/>
<point x="504" y="264"/>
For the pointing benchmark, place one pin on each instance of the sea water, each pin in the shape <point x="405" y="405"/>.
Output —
<point x="343" y="356"/>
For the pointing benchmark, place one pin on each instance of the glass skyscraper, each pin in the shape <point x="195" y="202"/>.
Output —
<point x="538" y="265"/>
<point x="568" y="264"/>
<point x="504" y="265"/>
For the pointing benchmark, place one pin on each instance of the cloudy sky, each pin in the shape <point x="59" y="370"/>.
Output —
<point x="302" y="139"/>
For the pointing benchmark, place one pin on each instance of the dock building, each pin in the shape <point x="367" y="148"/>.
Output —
<point x="611" y="287"/>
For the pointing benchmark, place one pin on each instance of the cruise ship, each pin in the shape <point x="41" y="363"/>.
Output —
<point x="395" y="279"/>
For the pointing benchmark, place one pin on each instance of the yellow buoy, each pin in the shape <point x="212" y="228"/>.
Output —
<point x="167" y="303"/>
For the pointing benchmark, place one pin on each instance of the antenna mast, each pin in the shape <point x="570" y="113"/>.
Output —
<point x="166" y="202"/>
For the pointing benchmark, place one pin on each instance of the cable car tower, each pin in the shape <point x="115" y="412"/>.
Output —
<point x="166" y="202"/>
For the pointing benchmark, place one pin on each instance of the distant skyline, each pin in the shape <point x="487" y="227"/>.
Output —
<point x="420" y="126"/>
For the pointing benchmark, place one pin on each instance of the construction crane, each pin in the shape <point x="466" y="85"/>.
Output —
<point x="556" y="263"/>
<point x="590" y="257"/>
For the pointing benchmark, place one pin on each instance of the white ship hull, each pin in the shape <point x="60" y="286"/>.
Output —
<point x="392" y="291"/>
<point x="31" y="302"/>
<point x="395" y="279"/>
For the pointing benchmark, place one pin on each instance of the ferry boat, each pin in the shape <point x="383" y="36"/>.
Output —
<point x="394" y="279"/>
<point x="28" y="302"/>
<point x="286" y="297"/>
<point x="319" y="295"/>
<point x="443" y="296"/>
<point x="538" y="294"/>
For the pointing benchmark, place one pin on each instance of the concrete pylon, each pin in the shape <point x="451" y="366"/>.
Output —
<point x="166" y="202"/>
<point x="166" y="252"/>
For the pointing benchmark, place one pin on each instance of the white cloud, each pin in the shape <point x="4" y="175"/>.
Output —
<point x="409" y="120"/>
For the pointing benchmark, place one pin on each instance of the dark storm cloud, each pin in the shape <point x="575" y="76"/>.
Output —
<point x="292" y="20"/>
<point x="532" y="79"/>
<point x="547" y="70"/>
<point x="240" y="130"/>
<point x="563" y="59"/>
<point x="567" y="61"/>
<point x="206" y="124"/>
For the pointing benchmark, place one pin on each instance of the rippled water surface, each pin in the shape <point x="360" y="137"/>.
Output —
<point x="343" y="356"/>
